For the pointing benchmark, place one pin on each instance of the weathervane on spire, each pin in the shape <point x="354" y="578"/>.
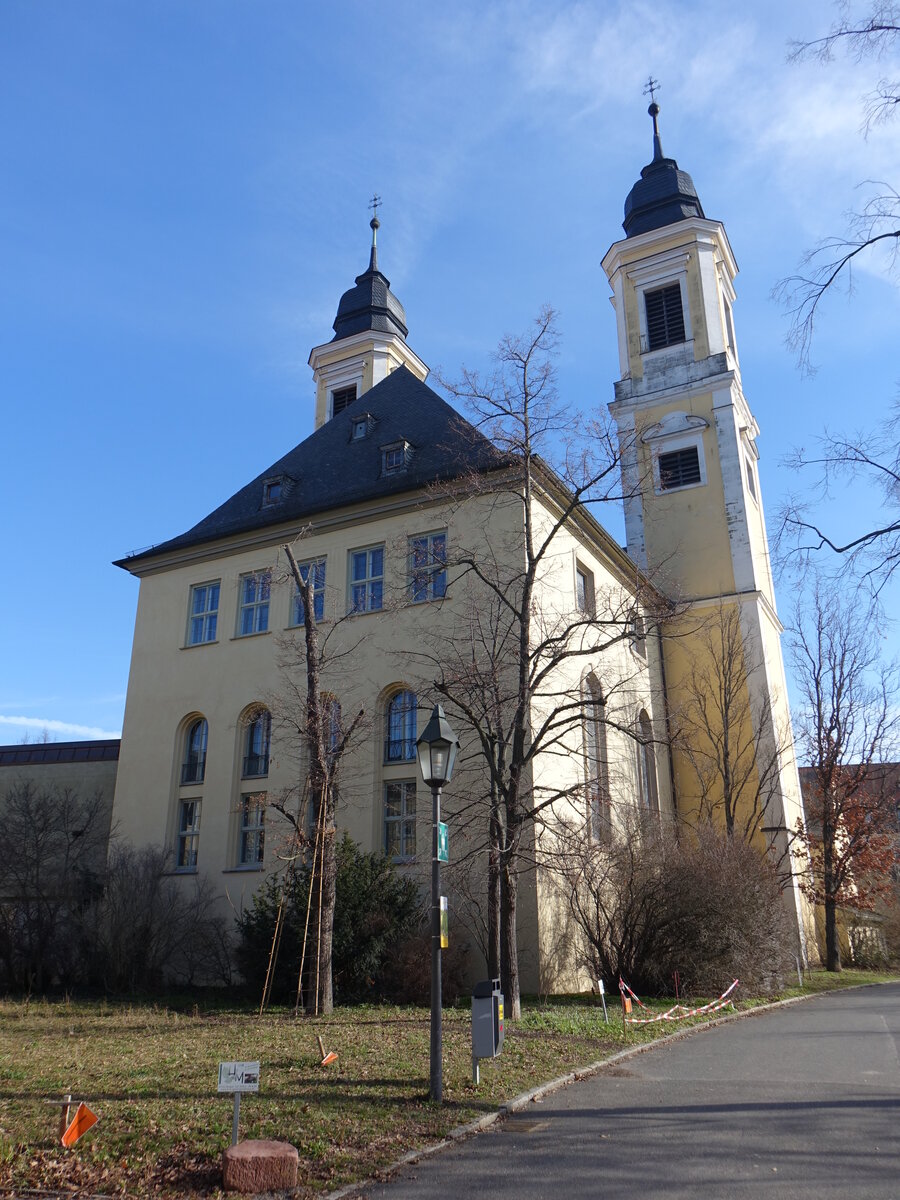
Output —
<point x="651" y="88"/>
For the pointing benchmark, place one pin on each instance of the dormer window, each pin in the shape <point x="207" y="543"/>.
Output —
<point x="665" y="316"/>
<point x="360" y="426"/>
<point x="273" y="489"/>
<point x="341" y="398"/>
<point x="395" y="458"/>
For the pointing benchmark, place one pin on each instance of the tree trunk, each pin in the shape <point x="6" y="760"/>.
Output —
<point x="329" y="895"/>
<point x="510" y="972"/>
<point x="494" y="907"/>
<point x="832" y="945"/>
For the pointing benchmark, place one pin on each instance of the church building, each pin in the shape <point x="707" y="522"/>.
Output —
<point x="377" y="503"/>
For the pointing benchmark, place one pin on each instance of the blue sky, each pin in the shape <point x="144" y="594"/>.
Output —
<point x="183" y="200"/>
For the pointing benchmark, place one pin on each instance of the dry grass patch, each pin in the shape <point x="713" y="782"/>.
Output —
<point x="151" y="1071"/>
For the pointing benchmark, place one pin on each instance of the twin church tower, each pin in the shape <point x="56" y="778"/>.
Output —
<point x="203" y="756"/>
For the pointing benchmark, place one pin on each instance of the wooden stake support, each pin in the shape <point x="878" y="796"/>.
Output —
<point x="63" y="1105"/>
<point x="327" y="1057"/>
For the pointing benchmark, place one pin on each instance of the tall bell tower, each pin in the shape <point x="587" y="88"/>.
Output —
<point x="369" y="340"/>
<point x="693" y="509"/>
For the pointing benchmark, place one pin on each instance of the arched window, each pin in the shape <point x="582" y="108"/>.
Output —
<point x="647" y="791"/>
<point x="400" y="728"/>
<point x="193" y="765"/>
<point x="595" y="762"/>
<point x="257" y="737"/>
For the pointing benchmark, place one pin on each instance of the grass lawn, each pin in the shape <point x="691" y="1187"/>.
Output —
<point x="150" y="1071"/>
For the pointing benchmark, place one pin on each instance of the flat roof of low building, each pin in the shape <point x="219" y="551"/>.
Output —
<point x="33" y="753"/>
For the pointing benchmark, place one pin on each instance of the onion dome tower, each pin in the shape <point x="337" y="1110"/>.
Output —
<point x="693" y="510"/>
<point x="369" y="340"/>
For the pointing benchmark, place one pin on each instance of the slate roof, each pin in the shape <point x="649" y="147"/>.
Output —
<point x="663" y="194"/>
<point x="329" y="470"/>
<point x="370" y="304"/>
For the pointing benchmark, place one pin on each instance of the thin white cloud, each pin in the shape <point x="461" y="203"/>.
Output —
<point x="77" y="731"/>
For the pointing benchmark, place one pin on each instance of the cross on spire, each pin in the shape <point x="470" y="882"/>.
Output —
<point x="374" y="204"/>
<point x="651" y="88"/>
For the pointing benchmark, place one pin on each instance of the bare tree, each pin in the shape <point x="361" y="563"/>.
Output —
<point x="511" y="672"/>
<point x="312" y="708"/>
<point x="840" y="461"/>
<point x="724" y="728"/>
<point x="54" y="862"/>
<point x="870" y="30"/>
<point x="848" y="726"/>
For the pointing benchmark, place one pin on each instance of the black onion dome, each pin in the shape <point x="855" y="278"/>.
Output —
<point x="370" y="304"/>
<point x="662" y="195"/>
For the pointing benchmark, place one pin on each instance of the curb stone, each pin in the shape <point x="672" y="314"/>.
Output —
<point x="554" y="1085"/>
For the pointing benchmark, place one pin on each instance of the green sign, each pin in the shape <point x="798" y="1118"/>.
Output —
<point x="443" y="842"/>
<point x="445" y="924"/>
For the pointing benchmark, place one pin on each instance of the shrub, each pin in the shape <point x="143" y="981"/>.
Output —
<point x="147" y="930"/>
<point x="376" y="909"/>
<point x="408" y="975"/>
<point x="649" y="903"/>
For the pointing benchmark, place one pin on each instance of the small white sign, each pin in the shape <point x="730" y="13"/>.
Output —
<point x="602" y="989"/>
<point x="239" y="1077"/>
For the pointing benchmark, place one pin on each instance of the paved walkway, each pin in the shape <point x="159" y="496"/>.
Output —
<point x="801" y="1102"/>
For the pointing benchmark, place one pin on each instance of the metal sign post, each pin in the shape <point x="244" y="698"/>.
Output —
<point x="238" y="1077"/>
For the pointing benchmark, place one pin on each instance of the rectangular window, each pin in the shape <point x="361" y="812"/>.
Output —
<point x="367" y="579"/>
<point x="314" y="573"/>
<point x="272" y="489"/>
<point x="400" y="819"/>
<point x="751" y="478"/>
<point x="639" y="636"/>
<point x="679" y="468"/>
<point x="428" y="567"/>
<point x="665" y="317"/>
<point x="188" y="835"/>
<point x="204" y="613"/>
<point x="341" y="397"/>
<point x="253" y="612"/>
<point x="360" y="429"/>
<point x="729" y="326"/>
<point x="252" y="848"/>
<point x="584" y="589"/>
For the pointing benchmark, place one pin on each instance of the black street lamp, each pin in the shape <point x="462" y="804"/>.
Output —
<point x="436" y="750"/>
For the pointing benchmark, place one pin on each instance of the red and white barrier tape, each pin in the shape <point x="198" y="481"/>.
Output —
<point x="678" y="1012"/>
<point x="623" y="988"/>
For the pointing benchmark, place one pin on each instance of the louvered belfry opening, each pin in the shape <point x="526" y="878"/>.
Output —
<point x="679" y="468"/>
<point x="665" y="317"/>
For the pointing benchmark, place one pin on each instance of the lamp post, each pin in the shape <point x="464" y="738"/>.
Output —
<point x="436" y="750"/>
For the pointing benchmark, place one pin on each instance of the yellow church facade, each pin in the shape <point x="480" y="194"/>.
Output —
<point x="376" y="504"/>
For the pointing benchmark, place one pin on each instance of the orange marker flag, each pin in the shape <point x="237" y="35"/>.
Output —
<point x="80" y="1124"/>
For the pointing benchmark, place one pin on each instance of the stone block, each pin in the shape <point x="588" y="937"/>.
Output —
<point x="260" y="1165"/>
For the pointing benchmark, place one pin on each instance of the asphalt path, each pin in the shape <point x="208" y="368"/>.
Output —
<point x="802" y="1101"/>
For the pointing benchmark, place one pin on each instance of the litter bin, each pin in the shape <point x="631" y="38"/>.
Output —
<point x="487" y="1022"/>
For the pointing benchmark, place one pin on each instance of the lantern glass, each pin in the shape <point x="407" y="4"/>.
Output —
<point x="436" y="750"/>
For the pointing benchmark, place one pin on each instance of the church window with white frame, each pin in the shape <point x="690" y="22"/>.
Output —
<point x="664" y="314"/>
<point x="367" y="579"/>
<point x="400" y="819"/>
<point x="252" y="834"/>
<point x="428" y="566"/>
<point x="204" y="615"/>
<point x="679" y="468"/>
<point x="188" y="839"/>
<point x="253" y="609"/>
